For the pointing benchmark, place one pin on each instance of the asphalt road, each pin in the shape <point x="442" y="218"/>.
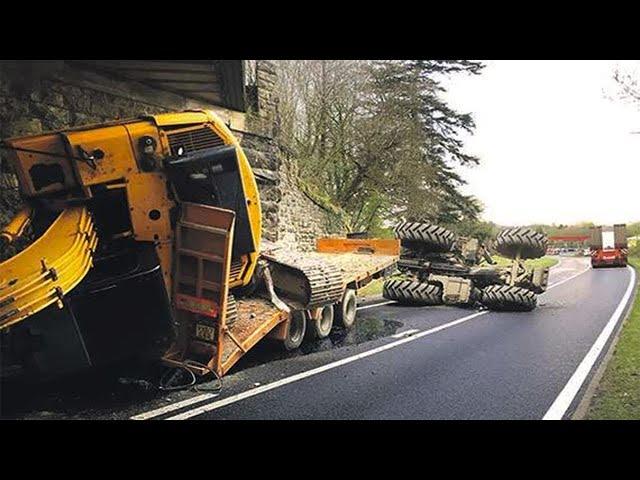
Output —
<point x="452" y="364"/>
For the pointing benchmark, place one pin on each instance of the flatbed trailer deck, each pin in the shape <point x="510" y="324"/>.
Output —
<point x="359" y="261"/>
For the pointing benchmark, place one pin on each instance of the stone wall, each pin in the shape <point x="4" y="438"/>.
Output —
<point x="54" y="95"/>
<point x="263" y="115"/>
<point x="51" y="95"/>
<point x="290" y="217"/>
<point x="302" y="220"/>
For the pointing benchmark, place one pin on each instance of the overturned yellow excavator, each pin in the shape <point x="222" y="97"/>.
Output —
<point x="148" y="242"/>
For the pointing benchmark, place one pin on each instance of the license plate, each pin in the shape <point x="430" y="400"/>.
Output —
<point x="205" y="332"/>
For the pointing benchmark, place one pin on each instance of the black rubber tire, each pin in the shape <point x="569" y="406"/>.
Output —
<point x="345" y="310"/>
<point x="319" y="328"/>
<point x="232" y="311"/>
<point x="437" y="239"/>
<point x="529" y="243"/>
<point x="296" y="331"/>
<point x="411" y="292"/>
<point x="507" y="298"/>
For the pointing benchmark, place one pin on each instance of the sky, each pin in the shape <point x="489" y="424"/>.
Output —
<point x="552" y="147"/>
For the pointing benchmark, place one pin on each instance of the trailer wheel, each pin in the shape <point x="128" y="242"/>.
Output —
<point x="232" y="311"/>
<point x="295" y="332"/>
<point x="508" y="298"/>
<point x="528" y="242"/>
<point x="346" y="311"/>
<point x="322" y="325"/>
<point x="412" y="292"/>
<point x="437" y="238"/>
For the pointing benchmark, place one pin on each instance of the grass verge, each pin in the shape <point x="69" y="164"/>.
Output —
<point x="537" y="262"/>
<point x="617" y="396"/>
<point x="372" y="288"/>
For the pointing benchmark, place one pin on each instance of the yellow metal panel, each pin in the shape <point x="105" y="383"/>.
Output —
<point x="118" y="161"/>
<point x="145" y="129"/>
<point x="56" y="167"/>
<point x="149" y="209"/>
<point x="181" y="118"/>
<point x="375" y="246"/>
<point x="49" y="268"/>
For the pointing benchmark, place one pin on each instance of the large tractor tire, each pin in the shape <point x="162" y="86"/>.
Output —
<point x="436" y="238"/>
<point x="232" y="311"/>
<point x="412" y="293"/>
<point x="527" y="242"/>
<point x="508" y="298"/>
<point x="346" y="309"/>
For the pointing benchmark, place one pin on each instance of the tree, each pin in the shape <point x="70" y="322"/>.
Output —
<point x="377" y="139"/>
<point x="626" y="79"/>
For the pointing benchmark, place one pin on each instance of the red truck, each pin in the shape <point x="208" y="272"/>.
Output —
<point x="609" y="246"/>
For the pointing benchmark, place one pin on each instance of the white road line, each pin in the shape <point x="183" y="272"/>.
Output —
<point x="406" y="333"/>
<point x="376" y="305"/>
<point x="200" y="398"/>
<point x="294" y="378"/>
<point x="174" y="406"/>
<point x="562" y="403"/>
<point x="207" y="396"/>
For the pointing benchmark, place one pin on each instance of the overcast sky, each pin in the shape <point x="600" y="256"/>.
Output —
<point x="553" y="148"/>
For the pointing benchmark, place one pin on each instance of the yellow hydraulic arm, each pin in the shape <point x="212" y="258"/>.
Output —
<point x="49" y="268"/>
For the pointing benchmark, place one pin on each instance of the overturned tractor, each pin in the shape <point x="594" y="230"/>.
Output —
<point x="437" y="267"/>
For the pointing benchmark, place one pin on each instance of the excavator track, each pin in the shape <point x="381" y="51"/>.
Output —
<point x="49" y="268"/>
<point x="303" y="282"/>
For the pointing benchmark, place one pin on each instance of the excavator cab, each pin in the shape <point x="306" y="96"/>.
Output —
<point x="105" y="202"/>
<point x="213" y="178"/>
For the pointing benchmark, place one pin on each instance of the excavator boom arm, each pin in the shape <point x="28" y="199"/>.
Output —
<point x="49" y="268"/>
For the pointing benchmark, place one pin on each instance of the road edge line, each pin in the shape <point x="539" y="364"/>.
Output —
<point x="587" y="399"/>
<point x="567" y="395"/>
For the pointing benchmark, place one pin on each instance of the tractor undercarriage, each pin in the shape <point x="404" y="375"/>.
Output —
<point x="436" y="267"/>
